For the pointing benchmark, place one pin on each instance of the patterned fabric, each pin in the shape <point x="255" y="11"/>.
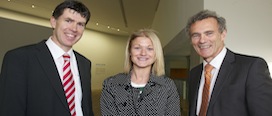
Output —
<point x="68" y="84"/>
<point x="206" y="90"/>
<point x="159" y="97"/>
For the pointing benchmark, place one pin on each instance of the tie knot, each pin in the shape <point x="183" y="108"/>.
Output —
<point x="208" y="67"/>
<point x="66" y="57"/>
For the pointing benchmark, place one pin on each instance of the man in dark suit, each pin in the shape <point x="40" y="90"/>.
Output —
<point x="240" y="85"/>
<point x="32" y="83"/>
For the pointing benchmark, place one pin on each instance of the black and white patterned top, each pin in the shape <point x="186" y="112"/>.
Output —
<point x="159" y="97"/>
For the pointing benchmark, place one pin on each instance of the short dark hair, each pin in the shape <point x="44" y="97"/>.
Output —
<point x="75" y="5"/>
<point x="204" y="14"/>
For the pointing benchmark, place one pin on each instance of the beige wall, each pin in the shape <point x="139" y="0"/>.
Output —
<point x="106" y="53"/>
<point x="172" y="15"/>
<point x="170" y="20"/>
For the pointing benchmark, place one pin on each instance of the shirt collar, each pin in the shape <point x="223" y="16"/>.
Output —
<point x="217" y="61"/>
<point x="55" y="50"/>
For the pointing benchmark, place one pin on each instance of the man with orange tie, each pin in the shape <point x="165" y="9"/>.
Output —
<point x="49" y="78"/>
<point x="226" y="83"/>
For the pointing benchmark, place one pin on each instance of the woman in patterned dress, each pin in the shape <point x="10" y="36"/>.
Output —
<point x="143" y="89"/>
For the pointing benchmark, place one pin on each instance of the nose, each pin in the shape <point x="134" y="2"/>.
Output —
<point x="143" y="52"/>
<point x="202" y="39"/>
<point x="73" y="27"/>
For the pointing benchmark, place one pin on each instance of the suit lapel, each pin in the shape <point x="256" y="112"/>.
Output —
<point x="82" y="73"/>
<point x="47" y="62"/>
<point x="85" y="82"/>
<point x="223" y="75"/>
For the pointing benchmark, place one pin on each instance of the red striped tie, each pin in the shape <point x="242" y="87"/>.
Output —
<point x="68" y="84"/>
<point x="206" y="90"/>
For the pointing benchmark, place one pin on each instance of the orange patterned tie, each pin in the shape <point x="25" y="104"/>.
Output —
<point x="206" y="90"/>
<point x="68" y="84"/>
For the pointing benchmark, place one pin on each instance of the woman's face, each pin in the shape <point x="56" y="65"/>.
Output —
<point x="142" y="53"/>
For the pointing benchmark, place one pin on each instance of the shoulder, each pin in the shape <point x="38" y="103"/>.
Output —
<point x="238" y="57"/>
<point x="245" y="63"/>
<point x="162" y="80"/>
<point x="25" y="50"/>
<point x="81" y="57"/>
<point x="247" y="59"/>
<point x="117" y="79"/>
<point x="165" y="83"/>
<point x="167" y="79"/>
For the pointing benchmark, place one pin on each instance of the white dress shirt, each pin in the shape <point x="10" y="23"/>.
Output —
<point x="57" y="54"/>
<point x="216" y="63"/>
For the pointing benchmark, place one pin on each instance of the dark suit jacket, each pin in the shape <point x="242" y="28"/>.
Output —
<point x="30" y="84"/>
<point x="243" y="88"/>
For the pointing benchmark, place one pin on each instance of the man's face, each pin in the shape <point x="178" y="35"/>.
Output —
<point x="206" y="38"/>
<point x="68" y="28"/>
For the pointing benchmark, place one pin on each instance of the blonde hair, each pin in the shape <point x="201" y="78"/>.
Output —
<point x="158" y="65"/>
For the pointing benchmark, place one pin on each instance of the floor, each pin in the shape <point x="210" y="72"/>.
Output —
<point x="96" y="102"/>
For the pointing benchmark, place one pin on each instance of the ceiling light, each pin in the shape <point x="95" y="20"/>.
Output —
<point x="33" y="6"/>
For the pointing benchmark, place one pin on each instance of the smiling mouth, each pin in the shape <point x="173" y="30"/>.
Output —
<point x="204" y="46"/>
<point x="71" y="35"/>
<point x="143" y="59"/>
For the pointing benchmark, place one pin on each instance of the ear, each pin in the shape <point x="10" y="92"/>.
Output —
<point x="223" y="35"/>
<point x="53" y="22"/>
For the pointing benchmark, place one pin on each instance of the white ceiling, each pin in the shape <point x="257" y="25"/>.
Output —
<point x="126" y="15"/>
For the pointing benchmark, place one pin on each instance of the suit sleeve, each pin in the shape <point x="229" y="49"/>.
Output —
<point x="259" y="89"/>
<point x="13" y="83"/>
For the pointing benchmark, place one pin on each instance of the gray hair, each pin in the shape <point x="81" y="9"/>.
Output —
<point x="204" y="14"/>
